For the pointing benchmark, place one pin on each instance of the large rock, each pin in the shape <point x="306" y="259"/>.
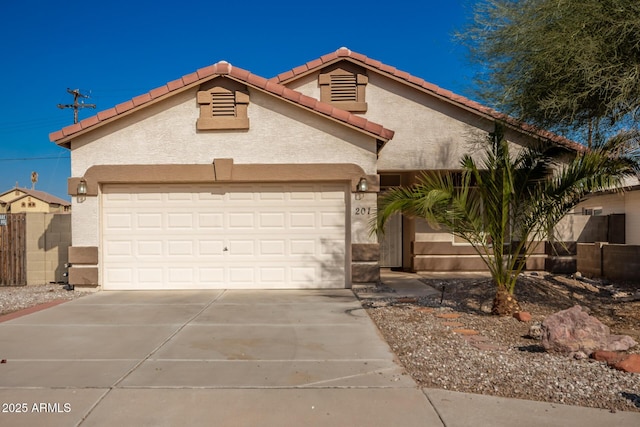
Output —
<point x="574" y="331"/>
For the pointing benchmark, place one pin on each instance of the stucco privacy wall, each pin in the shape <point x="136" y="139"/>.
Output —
<point x="48" y="239"/>
<point x="165" y="133"/>
<point x="627" y="202"/>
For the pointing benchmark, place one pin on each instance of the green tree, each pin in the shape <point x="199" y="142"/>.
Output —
<point x="565" y="65"/>
<point x="506" y="203"/>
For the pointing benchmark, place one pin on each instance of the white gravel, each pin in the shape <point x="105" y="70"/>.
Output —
<point x="437" y="357"/>
<point x="14" y="298"/>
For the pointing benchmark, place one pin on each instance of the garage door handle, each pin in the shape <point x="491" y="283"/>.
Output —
<point x="225" y="249"/>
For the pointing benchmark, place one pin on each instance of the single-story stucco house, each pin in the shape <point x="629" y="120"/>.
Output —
<point x="225" y="179"/>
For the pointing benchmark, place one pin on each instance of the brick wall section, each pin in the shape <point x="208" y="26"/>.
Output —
<point x="621" y="262"/>
<point x="589" y="259"/>
<point x="610" y="261"/>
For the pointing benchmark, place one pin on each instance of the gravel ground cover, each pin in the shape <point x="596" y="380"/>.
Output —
<point x="500" y="358"/>
<point x="14" y="298"/>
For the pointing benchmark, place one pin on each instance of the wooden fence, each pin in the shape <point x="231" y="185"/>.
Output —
<point x="13" y="250"/>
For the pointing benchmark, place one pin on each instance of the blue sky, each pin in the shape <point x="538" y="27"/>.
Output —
<point x="118" y="49"/>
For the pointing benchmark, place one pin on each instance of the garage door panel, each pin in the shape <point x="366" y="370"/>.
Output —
<point x="210" y="221"/>
<point x="149" y="221"/>
<point x="272" y="220"/>
<point x="303" y="220"/>
<point x="151" y="194"/>
<point x="272" y="247"/>
<point x="303" y="247"/>
<point x="149" y="248"/>
<point x="241" y="247"/>
<point x="117" y="248"/>
<point x="180" y="248"/>
<point x="331" y="247"/>
<point x="241" y="220"/>
<point x="183" y="276"/>
<point x="119" y="276"/>
<point x="150" y="276"/>
<point x="224" y="236"/>
<point x="211" y="276"/>
<point x="332" y="220"/>
<point x="122" y="221"/>
<point x="180" y="221"/>
<point x="210" y="247"/>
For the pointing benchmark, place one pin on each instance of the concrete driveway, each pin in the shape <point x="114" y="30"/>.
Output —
<point x="241" y="358"/>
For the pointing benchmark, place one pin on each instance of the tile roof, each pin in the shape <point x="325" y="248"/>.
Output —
<point x="344" y="53"/>
<point x="41" y="195"/>
<point x="222" y="68"/>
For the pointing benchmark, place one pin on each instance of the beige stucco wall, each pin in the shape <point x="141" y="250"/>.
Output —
<point x="429" y="133"/>
<point x="40" y="206"/>
<point x="10" y="195"/>
<point x="609" y="203"/>
<point x="48" y="239"/>
<point x="165" y="133"/>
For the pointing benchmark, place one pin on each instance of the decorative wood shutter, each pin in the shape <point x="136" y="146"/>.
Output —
<point x="344" y="89"/>
<point x="222" y="108"/>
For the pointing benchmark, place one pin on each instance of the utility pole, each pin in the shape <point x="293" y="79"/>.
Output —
<point x="76" y="105"/>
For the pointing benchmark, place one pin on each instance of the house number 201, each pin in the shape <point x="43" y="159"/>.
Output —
<point x="363" y="211"/>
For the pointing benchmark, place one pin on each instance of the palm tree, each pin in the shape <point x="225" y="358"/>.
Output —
<point x="505" y="205"/>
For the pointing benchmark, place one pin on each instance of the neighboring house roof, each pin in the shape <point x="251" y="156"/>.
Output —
<point x="63" y="136"/>
<point x="402" y="76"/>
<point x="40" y="195"/>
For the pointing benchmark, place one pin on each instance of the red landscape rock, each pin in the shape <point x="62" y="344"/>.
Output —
<point x="448" y="315"/>
<point x="523" y="316"/>
<point x="453" y="324"/>
<point x="611" y="357"/>
<point x="466" y="331"/>
<point x="406" y="300"/>
<point x="630" y="364"/>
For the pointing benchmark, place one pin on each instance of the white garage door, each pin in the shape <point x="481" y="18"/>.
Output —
<point x="223" y="236"/>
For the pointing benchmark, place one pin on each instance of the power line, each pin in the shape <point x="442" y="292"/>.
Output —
<point x="35" y="158"/>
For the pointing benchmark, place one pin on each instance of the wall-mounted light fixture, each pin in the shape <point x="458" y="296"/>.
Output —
<point x="363" y="185"/>
<point x="82" y="191"/>
<point x="82" y="188"/>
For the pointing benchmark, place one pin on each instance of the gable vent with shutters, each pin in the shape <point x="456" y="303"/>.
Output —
<point x="343" y="88"/>
<point x="223" y="104"/>
<point x="223" y="108"/>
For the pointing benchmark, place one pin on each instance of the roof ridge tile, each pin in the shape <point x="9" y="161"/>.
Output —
<point x="343" y="52"/>
<point x="225" y="68"/>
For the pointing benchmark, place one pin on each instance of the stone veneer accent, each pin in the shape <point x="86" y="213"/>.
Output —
<point x="365" y="265"/>
<point x="86" y="274"/>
